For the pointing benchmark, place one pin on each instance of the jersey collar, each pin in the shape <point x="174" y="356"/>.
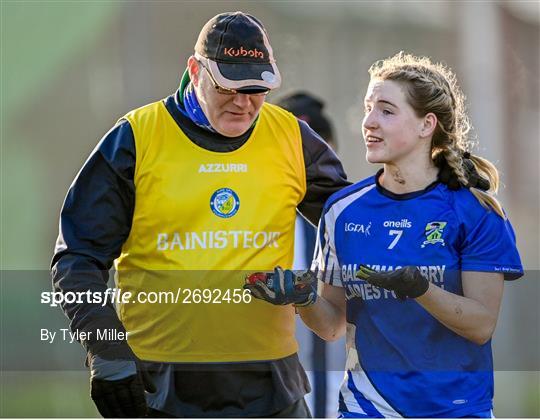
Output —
<point x="406" y="196"/>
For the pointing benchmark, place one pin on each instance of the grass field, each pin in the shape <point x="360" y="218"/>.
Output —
<point x="46" y="394"/>
<point x="66" y="394"/>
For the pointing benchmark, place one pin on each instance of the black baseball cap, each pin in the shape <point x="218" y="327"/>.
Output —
<point x="309" y="108"/>
<point x="234" y="47"/>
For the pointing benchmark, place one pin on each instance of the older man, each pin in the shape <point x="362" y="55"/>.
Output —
<point x="180" y="195"/>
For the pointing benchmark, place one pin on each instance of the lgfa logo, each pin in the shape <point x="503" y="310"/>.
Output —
<point x="434" y="232"/>
<point x="235" y="52"/>
<point x="358" y="228"/>
<point x="224" y="203"/>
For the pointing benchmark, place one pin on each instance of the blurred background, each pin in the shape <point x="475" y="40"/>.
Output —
<point x="70" y="69"/>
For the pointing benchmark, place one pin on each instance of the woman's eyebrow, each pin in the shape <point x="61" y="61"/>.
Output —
<point x="384" y="101"/>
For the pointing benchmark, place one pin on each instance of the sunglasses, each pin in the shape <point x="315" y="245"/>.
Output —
<point x="226" y="91"/>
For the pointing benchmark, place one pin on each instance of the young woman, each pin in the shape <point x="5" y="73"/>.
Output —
<point x="411" y="269"/>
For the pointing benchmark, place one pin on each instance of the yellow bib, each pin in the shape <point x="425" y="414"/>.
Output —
<point x="200" y="217"/>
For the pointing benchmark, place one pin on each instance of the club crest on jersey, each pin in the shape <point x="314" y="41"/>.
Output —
<point x="434" y="232"/>
<point x="224" y="203"/>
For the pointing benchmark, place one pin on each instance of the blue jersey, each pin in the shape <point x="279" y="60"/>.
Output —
<point x="401" y="361"/>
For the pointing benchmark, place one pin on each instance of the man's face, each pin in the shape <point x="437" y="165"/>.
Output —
<point x="229" y="115"/>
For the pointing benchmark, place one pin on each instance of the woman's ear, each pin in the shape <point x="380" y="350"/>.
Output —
<point x="429" y="124"/>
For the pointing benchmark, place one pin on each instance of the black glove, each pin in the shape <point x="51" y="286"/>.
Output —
<point x="406" y="282"/>
<point x="447" y="176"/>
<point x="284" y="287"/>
<point x="122" y="397"/>
<point x="118" y="379"/>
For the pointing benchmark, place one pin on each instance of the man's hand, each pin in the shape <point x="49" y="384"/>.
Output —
<point x="117" y="376"/>
<point x="283" y="287"/>
<point x="406" y="282"/>
<point x="117" y="387"/>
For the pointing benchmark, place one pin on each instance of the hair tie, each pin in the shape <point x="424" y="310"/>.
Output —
<point x="466" y="155"/>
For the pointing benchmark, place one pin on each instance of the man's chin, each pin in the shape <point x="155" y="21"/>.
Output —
<point x="233" y="129"/>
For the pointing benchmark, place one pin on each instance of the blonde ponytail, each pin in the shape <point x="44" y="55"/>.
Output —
<point x="488" y="201"/>
<point x="487" y="170"/>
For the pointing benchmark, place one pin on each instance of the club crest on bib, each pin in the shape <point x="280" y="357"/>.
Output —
<point x="434" y="232"/>
<point x="224" y="203"/>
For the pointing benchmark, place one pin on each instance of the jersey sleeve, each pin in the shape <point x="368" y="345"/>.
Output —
<point x="325" y="262"/>
<point x="94" y="223"/>
<point x="490" y="245"/>
<point x="324" y="173"/>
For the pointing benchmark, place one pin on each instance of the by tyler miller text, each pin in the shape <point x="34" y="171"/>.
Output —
<point x="64" y="334"/>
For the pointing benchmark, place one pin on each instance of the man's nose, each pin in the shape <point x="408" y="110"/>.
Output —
<point x="241" y="100"/>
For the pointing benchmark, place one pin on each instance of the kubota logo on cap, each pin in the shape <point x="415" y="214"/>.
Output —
<point x="242" y="52"/>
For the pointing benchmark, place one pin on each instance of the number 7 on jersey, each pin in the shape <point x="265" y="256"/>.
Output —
<point x="397" y="234"/>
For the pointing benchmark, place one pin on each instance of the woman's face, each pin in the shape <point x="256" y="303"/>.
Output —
<point x="392" y="131"/>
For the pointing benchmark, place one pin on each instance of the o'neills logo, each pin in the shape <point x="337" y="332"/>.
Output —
<point x="242" y="52"/>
